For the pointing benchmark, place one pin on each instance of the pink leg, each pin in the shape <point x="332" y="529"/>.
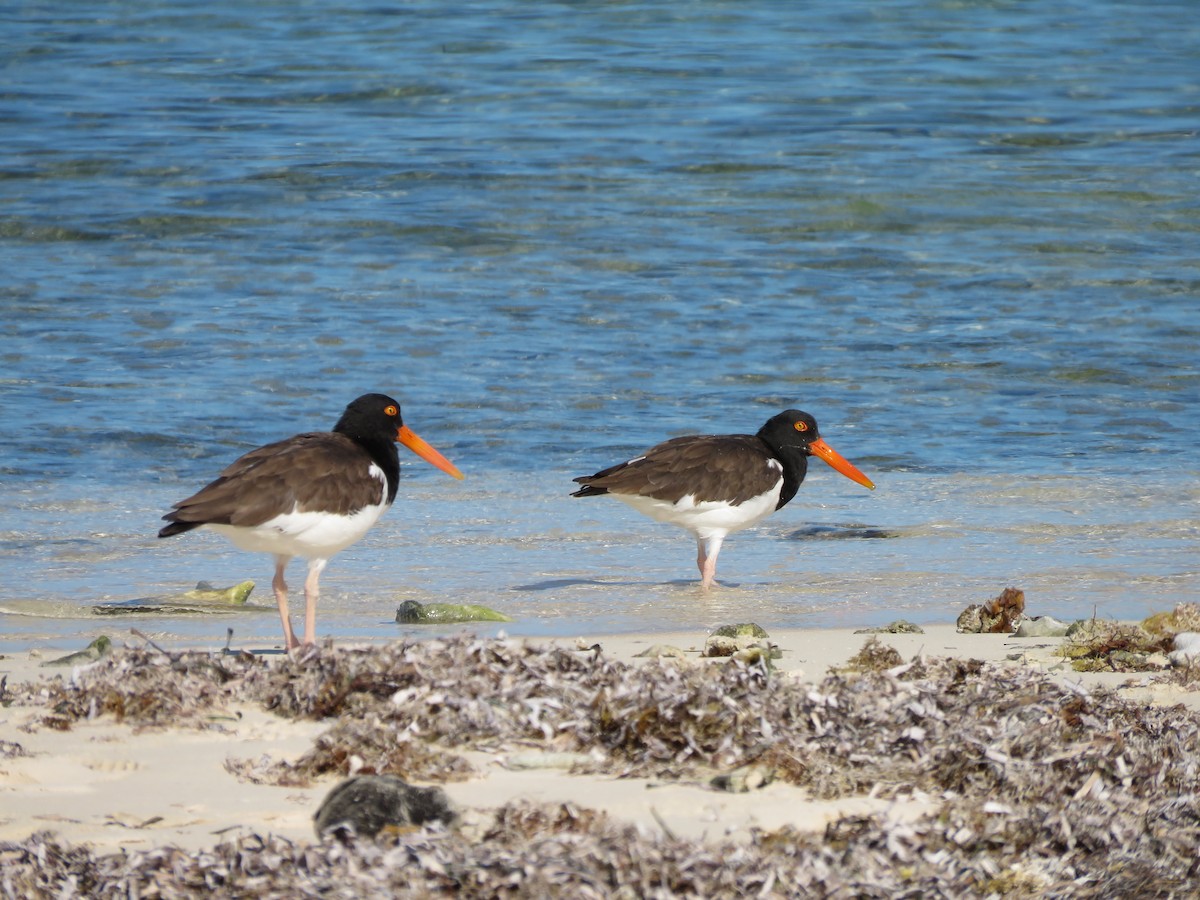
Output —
<point x="312" y="593"/>
<point x="706" y="559"/>
<point x="281" y="598"/>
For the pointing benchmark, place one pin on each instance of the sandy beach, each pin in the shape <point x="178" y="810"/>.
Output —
<point x="117" y="787"/>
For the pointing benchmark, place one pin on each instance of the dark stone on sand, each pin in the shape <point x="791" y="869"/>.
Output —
<point x="365" y="805"/>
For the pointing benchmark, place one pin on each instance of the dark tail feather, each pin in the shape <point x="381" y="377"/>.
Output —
<point x="587" y="490"/>
<point x="177" y="528"/>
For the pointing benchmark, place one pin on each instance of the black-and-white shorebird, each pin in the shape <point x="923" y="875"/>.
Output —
<point x="311" y="495"/>
<point x="715" y="484"/>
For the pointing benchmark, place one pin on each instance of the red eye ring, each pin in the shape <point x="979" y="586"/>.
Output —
<point x="801" y="426"/>
<point x="391" y="411"/>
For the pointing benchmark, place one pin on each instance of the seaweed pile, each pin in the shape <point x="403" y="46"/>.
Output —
<point x="1042" y="787"/>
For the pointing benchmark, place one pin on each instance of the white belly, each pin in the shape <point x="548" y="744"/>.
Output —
<point x="309" y="535"/>
<point x="708" y="518"/>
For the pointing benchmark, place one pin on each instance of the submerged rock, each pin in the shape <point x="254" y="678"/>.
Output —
<point x="89" y="654"/>
<point x="203" y="598"/>
<point x="410" y="612"/>
<point x="367" y="804"/>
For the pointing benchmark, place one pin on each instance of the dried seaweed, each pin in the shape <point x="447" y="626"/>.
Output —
<point x="1107" y="646"/>
<point x="1042" y="788"/>
<point x="143" y="687"/>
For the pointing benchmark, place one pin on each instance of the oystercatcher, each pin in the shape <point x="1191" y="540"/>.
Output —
<point x="310" y="495"/>
<point x="714" y="484"/>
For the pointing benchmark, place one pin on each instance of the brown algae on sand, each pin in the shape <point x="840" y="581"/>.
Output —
<point x="1040" y="786"/>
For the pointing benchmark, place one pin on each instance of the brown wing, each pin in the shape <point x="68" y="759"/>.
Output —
<point x="729" y="467"/>
<point x="320" y="471"/>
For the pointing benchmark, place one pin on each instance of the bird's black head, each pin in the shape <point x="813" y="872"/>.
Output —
<point x="374" y="419"/>
<point x="794" y="432"/>
<point x="791" y="429"/>
<point x="371" y="418"/>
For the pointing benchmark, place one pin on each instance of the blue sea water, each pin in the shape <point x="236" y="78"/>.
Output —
<point x="962" y="234"/>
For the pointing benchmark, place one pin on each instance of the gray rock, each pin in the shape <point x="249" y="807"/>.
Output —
<point x="364" y="805"/>
<point x="1042" y="626"/>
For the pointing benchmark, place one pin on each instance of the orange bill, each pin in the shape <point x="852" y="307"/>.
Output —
<point x="840" y="463"/>
<point x="409" y="439"/>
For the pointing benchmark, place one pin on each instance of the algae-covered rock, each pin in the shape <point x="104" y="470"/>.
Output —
<point x="203" y="598"/>
<point x="1184" y="617"/>
<point x="744" y="638"/>
<point x="741" y="630"/>
<point x="1000" y="615"/>
<point x="729" y="640"/>
<point x="410" y="612"/>
<point x="236" y="595"/>
<point x="89" y="654"/>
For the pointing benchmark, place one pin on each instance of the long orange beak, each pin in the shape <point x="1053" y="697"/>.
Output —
<point x="409" y="439"/>
<point x="840" y="463"/>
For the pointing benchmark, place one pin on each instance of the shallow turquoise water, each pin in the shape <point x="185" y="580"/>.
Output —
<point x="961" y="234"/>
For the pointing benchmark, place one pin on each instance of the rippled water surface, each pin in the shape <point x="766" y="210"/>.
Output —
<point x="961" y="234"/>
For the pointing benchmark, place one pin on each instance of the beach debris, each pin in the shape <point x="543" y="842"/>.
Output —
<point x="1185" y="649"/>
<point x="141" y="686"/>
<point x="727" y="640"/>
<point x="1041" y="627"/>
<point x="875" y="656"/>
<point x="667" y="651"/>
<point x="365" y="805"/>
<point x="1184" y="617"/>
<point x="900" y="626"/>
<point x="89" y="654"/>
<point x="202" y="599"/>
<point x="12" y="750"/>
<point x="410" y="612"/>
<point x="1044" y="787"/>
<point x="546" y="760"/>
<point x="1103" y="645"/>
<point x="350" y="746"/>
<point x="743" y="780"/>
<point x="1000" y="615"/>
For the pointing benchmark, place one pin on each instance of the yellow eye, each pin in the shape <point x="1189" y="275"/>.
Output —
<point x="801" y="426"/>
<point x="391" y="411"/>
